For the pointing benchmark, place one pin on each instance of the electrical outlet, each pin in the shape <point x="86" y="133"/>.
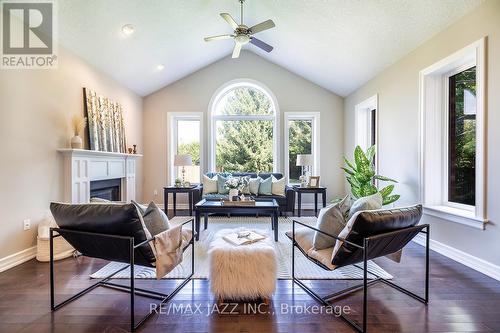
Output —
<point x="27" y="224"/>
<point x="155" y="193"/>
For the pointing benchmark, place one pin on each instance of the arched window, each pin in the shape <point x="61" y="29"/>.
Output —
<point x="244" y="128"/>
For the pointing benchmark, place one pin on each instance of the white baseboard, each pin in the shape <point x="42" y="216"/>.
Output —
<point x="17" y="258"/>
<point x="466" y="259"/>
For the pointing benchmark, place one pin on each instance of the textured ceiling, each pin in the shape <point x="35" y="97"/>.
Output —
<point x="337" y="44"/>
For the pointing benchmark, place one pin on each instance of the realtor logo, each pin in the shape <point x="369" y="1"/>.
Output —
<point x="28" y="34"/>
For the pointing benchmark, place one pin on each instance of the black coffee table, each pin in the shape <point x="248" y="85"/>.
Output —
<point x="205" y="207"/>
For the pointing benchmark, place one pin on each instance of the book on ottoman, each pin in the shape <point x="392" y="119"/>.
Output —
<point x="243" y="237"/>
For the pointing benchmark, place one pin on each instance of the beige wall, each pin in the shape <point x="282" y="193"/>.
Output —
<point x="193" y="94"/>
<point x="399" y="116"/>
<point x="35" y="108"/>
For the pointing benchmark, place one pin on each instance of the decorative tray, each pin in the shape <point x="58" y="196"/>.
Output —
<point x="238" y="203"/>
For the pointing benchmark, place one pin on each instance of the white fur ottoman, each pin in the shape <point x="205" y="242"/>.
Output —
<point x="242" y="272"/>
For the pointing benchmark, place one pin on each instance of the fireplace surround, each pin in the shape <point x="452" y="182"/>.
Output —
<point x="86" y="169"/>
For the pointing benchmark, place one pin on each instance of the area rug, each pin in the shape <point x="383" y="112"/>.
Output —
<point x="304" y="269"/>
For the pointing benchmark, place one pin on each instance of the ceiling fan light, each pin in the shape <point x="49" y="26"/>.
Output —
<point x="242" y="39"/>
<point x="128" y="29"/>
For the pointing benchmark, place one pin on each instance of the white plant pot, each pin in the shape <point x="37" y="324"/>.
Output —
<point x="76" y="142"/>
<point x="233" y="193"/>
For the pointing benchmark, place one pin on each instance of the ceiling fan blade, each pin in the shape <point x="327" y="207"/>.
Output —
<point x="262" y="26"/>
<point x="257" y="42"/>
<point x="208" y="39"/>
<point x="229" y="19"/>
<point x="236" y="51"/>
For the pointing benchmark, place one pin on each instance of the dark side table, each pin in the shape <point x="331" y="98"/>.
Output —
<point x="191" y="190"/>
<point x="314" y="190"/>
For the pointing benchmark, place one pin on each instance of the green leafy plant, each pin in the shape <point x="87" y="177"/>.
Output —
<point x="361" y="176"/>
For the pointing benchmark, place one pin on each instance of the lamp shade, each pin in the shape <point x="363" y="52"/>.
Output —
<point x="183" y="160"/>
<point x="304" y="160"/>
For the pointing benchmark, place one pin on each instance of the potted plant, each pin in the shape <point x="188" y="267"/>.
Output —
<point x="361" y="176"/>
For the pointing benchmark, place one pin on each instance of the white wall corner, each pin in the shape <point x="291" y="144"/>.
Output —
<point x="477" y="264"/>
<point x="17" y="258"/>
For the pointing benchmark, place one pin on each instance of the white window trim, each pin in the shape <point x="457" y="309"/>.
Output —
<point x="315" y="118"/>
<point x="172" y="118"/>
<point x="433" y="135"/>
<point x="212" y="119"/>
<point x="362" y="124"/>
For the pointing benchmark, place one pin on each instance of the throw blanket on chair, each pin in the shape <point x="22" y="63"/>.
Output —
<point x="169" y="246"/>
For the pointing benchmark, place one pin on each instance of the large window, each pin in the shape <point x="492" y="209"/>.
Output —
<point x="301" y="137"/>
<point x="462" y="137"/>
<point x="453" y="137"/>
<point x="185" y="135"/>
<point x="244" y="127"/>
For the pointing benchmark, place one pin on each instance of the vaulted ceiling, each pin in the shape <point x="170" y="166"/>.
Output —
<point x="337" y="44"/>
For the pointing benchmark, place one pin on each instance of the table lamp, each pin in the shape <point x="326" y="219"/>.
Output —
<point x="305" y="161"/>
<point x="183" y="160"/>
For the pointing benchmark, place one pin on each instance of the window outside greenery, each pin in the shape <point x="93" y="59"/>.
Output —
<point x="246" y="144"/>
<point x="462" y="137"/>
<point x="300" y="142"/>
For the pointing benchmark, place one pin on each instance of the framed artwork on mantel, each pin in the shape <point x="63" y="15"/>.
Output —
<point x="106" y="129"/>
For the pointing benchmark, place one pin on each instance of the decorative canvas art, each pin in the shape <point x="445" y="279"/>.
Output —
<point x="105" y="123"/>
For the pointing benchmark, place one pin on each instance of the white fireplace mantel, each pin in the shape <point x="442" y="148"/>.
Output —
<point x="83" y="166"/>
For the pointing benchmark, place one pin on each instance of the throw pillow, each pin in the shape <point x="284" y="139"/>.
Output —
<point x="221" y="184"/>
<point x="265" y="187"/>
<point x="155" y="219"/>
<point x="253" y="185"/>
<point x="330" y="220"/>
<point x="142" y="208"/>
<point x="246" y="189"/>
<point x="278" y="186"/>
<point x="209" y="185"/>
<point x="370" y="202"/>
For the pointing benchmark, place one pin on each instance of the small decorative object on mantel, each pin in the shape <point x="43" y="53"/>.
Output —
<point x="130" y="150"/>
<point x="78" y="123"/>
<point x="135" y="149"/>
<point x="106" y="128"/>
<point x="314" y="181"/>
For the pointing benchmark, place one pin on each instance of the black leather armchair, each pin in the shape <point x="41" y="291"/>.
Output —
<point x="368" y="235"/>
<point x="111" y="232"/>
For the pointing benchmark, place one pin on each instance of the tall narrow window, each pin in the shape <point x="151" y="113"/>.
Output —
<point x="373" y="127"/>
<point x="301" y="137"/>
<point x="185" y="138"/>
<point x="300" y="142"/>
<point x="453" y="113"/>
<point x="462" y="137"/>
<point x="188" y="142"/>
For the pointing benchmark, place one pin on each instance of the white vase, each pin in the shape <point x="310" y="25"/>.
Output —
<point x="233" y="193"/>
<point x="76" y="142"/>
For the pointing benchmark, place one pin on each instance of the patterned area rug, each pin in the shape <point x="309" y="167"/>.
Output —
<point x="303" y="267"/>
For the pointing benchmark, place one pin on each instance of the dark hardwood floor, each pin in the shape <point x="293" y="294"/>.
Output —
<point x="461" y="300"/>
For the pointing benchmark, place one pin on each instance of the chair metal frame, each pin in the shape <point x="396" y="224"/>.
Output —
<point x="132" y="289"/>
<point x="364" y="286"/>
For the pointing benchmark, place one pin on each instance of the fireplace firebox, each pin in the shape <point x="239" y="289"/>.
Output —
<point x="109" y="189"/>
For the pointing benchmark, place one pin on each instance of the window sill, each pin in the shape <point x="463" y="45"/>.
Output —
<point x="461" y="216"/>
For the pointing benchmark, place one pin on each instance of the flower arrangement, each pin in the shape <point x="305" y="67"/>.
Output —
<point x="236" y="183"/>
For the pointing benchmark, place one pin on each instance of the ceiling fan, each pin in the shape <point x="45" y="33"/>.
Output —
<point x="243" y="34"/>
